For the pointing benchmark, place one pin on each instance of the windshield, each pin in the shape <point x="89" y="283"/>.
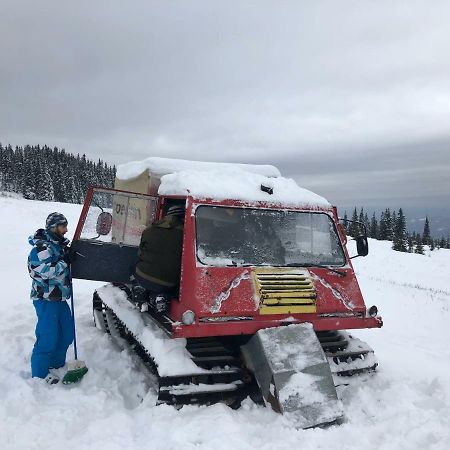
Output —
<point x="245" y="236"/>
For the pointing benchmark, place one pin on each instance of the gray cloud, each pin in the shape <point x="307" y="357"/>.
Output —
<point x="351" y="99"/>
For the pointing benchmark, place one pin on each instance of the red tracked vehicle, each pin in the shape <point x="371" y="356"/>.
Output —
<point x="259" y="254"/>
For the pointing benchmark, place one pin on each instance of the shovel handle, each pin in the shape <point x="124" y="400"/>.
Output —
<point x="73" y="315"/>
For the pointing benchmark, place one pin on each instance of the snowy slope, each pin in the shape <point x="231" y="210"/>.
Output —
<point x="406" y="405"/>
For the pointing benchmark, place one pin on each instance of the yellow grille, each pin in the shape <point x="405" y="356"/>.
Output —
<point x="284" y="291"/>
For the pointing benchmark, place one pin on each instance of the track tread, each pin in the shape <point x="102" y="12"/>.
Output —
<point x="231" y="379"/>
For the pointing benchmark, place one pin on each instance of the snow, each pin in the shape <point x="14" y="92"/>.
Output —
<point x="405" y="405"/>
<point x="170" y="355"/>
<point x="237" y="184"/>
<point x="305" y="384"/>
<point x="196" y="388"/>
<point x="221" y="181"/>
<point x="213" y="261"/>
<point x="11" y="195"/>
<point x="164" y="166"/>
<point x="283" y="355"/>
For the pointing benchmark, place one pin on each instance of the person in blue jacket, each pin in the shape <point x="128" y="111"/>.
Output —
<point x="48" y="265"/>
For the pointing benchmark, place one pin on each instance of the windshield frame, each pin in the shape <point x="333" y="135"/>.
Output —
<point x="329" y="215"/>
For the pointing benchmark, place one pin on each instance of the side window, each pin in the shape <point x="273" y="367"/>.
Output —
<point x="117" y="217"/>
<point x="131" y="215"/>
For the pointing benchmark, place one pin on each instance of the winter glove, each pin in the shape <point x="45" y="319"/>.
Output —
<point x="70" y="256"/>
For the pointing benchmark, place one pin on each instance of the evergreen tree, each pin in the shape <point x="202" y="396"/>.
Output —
<point x="385" y="230"/>
<point x="367" y="222"/>
<point x="72" y="192"/>
<point x="7" y="168"/>
<point x="47" y="186"/>
<point x="29" y="178"/>
<point x="432" y="244"/>
<point x="354" y="228"/>
<point x="345" y="224"/>
<point x="400" y="239"/>
<point x="426" y="237"/>
<point x="59" y="185"/>
<point x="373" y="229"/>
<point x="419" y="246"/>
<point x="361" y="215"/>
<point x="382" y="230"/>
<point x="410" y="244"/>
<point x="3" y="166"/>
<point x="18" y="170"/>
<point x="389" y="225"/>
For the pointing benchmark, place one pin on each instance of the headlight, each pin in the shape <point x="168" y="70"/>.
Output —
<point x="372" y="311"/>
<point x="188" y="317"/>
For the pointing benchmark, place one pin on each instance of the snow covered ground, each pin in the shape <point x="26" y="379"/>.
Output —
<point x="406" y="405"/>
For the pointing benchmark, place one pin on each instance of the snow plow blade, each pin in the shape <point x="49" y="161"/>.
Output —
<point x="293" y="374"/>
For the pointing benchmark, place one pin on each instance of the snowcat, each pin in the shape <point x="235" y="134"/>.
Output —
<point x="267" y="290"/>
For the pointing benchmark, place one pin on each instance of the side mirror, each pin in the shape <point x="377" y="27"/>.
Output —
<point x="362" y="245"/>
<point x="104" y="222"/>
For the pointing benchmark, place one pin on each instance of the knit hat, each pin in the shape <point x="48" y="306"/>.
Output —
<point x="54" y="219"/>
<point x="175" y="210"/>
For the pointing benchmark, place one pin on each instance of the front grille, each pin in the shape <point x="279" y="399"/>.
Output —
<point x="285" y="291"/>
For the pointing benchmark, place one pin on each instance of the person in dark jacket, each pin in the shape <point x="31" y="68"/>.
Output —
<point x="159" y="256"/>
<point x="48" y="266"/>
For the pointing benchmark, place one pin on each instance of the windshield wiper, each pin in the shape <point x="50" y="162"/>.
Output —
<point x="321" y="266"/>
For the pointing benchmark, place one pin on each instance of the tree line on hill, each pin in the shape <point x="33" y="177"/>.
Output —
<point x="391" y="226"/>
<point x="51" y="174"/>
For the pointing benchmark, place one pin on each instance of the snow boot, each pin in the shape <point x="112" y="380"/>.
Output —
<point x="51" y="379"/>
<point x="139" y="294"/>
<point x="161" y="303"/>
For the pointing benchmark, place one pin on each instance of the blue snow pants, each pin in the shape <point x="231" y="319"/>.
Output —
<point x="54" y="334"/>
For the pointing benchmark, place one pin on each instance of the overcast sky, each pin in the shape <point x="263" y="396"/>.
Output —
<point x="350" y="98"/>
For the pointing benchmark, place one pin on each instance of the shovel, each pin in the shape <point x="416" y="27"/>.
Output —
<point x="76" y="369"/>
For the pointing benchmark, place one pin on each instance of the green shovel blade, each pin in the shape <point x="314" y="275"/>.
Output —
<point x="75" y="375"/>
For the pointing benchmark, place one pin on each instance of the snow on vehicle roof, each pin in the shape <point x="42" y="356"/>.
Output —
<point x="237" y="184"/>
<point x="164" y="166"/>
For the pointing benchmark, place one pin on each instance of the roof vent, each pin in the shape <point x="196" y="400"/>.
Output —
<point x="267" y="189"/>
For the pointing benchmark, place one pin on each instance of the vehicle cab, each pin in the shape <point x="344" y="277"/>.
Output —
<point x="258" y="252"/>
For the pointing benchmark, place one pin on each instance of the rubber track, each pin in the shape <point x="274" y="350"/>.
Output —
<point x="207" y="388"/>
<point x="335" y="345"/>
